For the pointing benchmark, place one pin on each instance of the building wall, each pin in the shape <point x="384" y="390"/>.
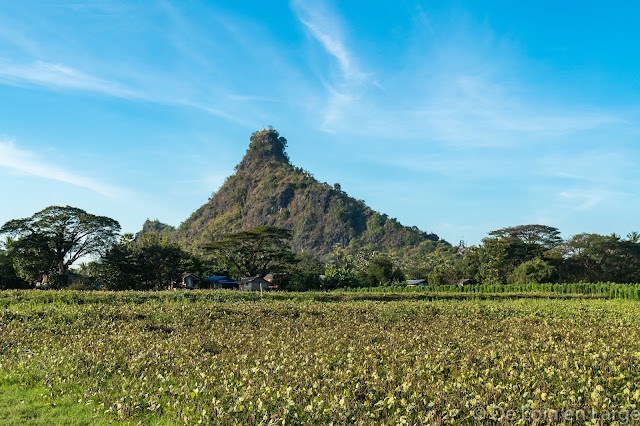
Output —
<point x="255" y="285"/>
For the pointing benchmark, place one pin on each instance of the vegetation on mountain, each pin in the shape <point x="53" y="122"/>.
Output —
<point x="155" y="227"/>
<point x="267" y="189"/>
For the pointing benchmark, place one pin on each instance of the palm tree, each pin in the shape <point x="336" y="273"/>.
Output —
<point x="633" y="237"/>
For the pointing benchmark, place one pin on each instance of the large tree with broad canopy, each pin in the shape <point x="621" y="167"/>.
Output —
<point x="54" y="238"/>
<point x="257" y="251"/>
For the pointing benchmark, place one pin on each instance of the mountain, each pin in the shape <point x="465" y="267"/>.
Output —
<point x="155" y="226"/>
<point x="267" y="189"/>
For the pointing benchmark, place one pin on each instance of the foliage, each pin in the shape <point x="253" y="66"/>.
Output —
<point x="233" y="358"/>
<point x="381" y="271"/>
<point x="546" y="237"/>
<point x="599" y="290"/>
<point x="303" y="275"/>
<point x="54" y="238"/>
<point x="151" y="262"/>
<point x="267" y="190"/>
<point x="257" y="251"/>
<point x="340" y="277"/>
<point x="532" y="272"/>
<point x="80" y="285"/>
<point x="118" y="269"/>
<point x="159" y="261"/>
<point x="492" y="260"/>
<point x="29" y="260"/>
<point x="267" y="145"/>
<point x="534" y="252"/>
<point x="8" y="276"/>
<point x="593" y="257"/>
<point x="441" y="275"/>
<point x="155" y="227"/>
<point x="430" y="256"/>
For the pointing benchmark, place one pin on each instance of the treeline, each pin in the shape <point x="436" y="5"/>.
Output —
<point x="42" y="249"/>
<point x="537" y="254"/>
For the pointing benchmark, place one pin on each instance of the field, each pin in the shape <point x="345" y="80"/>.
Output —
<point x="317" y="358"/>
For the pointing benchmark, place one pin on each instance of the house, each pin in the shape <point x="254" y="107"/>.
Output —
<point x="466" y="281"/>
<point x="221" y="282"/>
<point x="187" y="280"/>
<point x="225" y="284"/>
<point x="415" y="283"/>
<point x="272" y="286"/>
<point x="256" y="283"/>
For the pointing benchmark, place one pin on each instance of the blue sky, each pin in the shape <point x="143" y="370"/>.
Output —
<point x="457" y="117"/>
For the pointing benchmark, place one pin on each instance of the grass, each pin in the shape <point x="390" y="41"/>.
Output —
<point x="20" y="406"/>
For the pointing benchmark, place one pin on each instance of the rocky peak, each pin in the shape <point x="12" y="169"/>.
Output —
<point x="266" y="147"/>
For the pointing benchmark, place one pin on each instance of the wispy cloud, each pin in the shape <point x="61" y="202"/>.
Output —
<point x="217" y="112"/>
<point x="207" y="59"/>
<point x="608" y="164"/>
<point x="27" y="162"/>
<point x="61" y="77"/>
<point x="464" y="87"/>
<point x="58" y="76"/>
<point x="346" y="83"/>
<point x="251" y="98"/>
<point x="479" y="111"/>
<point x="324" y="26"/>
<point x="585" y="199"/>
<point x="16" y="38"/>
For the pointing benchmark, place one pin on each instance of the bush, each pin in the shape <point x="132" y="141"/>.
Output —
<point x="534" y="271"/>
<point x="80" y="285"/>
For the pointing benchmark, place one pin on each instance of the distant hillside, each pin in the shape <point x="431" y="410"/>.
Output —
<point x="267" y="190"/>
<point x="157" y="227"/>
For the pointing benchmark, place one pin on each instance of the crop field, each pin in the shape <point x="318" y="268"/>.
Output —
<point x="317" y="358"/>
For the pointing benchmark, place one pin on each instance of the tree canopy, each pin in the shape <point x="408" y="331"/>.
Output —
<point x="54" y="238"/>
<point x="257" y="251"/>
<point x="543" y="235"/>
<point x="149" y="262"/>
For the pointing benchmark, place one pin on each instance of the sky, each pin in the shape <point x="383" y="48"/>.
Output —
<point x="459" y="117"/>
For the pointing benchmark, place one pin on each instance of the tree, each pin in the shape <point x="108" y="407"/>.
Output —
<point x="159" y="261"/>
<point x="118" y="269"/>
<point x="338" y="277"/>
<point x="304" y="275"/>
<point x="28" y="259"/>
<point x="493" y="261"/>
<point x="150" y="262"/>
<point x="8" y="275"/>
<point x="257" y="251"/>
<point x="54" y="238"/>
<point x="381" y="271"/>
<point x="429" y="256"/>
<point x="534" y="271"/>
<point x="441" y="275"/>
<point x="545" y="236"/>
<point x="507" y="248"/>
<point x="265" y="145"/>
<point x="594" y="257"/>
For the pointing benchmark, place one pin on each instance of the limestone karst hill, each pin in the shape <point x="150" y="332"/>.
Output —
<point x="267" y="189"/>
